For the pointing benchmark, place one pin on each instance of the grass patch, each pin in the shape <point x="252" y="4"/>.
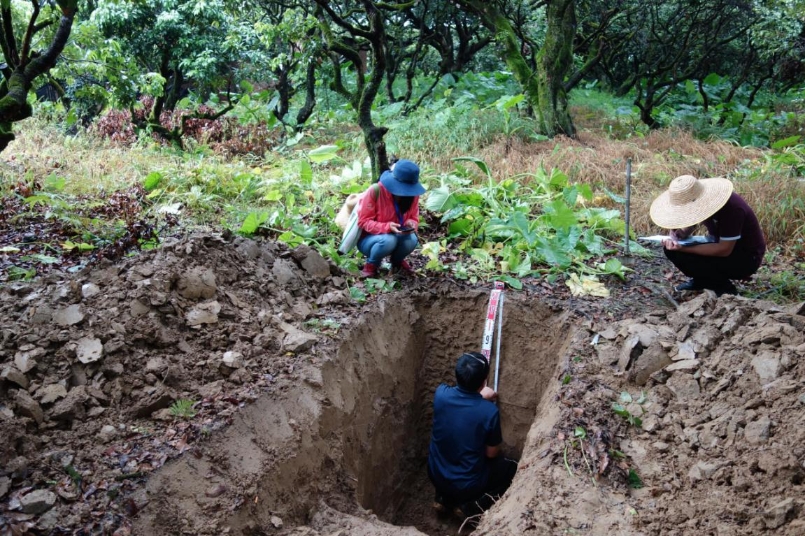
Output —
<point x="294" y="197"/>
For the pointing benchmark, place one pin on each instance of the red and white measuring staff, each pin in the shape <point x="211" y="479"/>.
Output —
<point x="494" y="312"/>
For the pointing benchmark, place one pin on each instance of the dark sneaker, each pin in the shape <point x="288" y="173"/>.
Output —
<point x="726" y="288"/>
<point x="690" y="284"/>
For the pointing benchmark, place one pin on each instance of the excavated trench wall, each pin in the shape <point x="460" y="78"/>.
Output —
<point x="358" y="427"/>
<point x="384" y="376"/>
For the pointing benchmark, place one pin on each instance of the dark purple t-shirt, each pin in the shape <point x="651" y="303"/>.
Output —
<point x="736" y="221"/>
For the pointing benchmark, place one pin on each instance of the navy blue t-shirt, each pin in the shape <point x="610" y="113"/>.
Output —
<point x="464" y="424"/>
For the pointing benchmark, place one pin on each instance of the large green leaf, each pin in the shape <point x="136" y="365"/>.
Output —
<point x="496" y="228"/>
<point x="439" y="200"/>
<point x="305" y="172"/>
<point x="462" y="227"/>
<point x="592" y="242"/>
<point x="512" y="282"/>
<point x="569" y="237"/>
<point x="152" y="180"/>
<point x="552" y="253"/>
<point x="477" y="161"/>
<point x="585" y="191"/>
<point x="560" y="216"/>
<point x="520" y="222"/>
<point x="570" y="195"/>
<point x="252" y="222"/>
<point x="787" y="142"/>
<point x="454" y="213"/>
<point x="323" y="153"/>
<point x="558" y="179"/>
<point x="507" y="101"/>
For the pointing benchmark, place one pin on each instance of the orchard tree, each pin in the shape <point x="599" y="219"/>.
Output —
<point x="355" y="37"/>
<point x="433" y="26"/>
<point x="176" y="44"/>
<point x="290" y="47"/>
<point x="30" y="50"/>
<point x="779" y="39"/>
<point x="659" y="44"/>
<point x="542" y="81"/>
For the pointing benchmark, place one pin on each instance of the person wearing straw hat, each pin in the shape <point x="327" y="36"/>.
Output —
<point x="390" y="219"/>
<point x="735" y="246"/>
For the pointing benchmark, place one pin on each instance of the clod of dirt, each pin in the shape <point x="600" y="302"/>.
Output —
<point x="37" y="502"/>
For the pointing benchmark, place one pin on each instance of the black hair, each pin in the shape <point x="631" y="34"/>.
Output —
<point x="471" y="370"/>
<point x="404" y="203"/>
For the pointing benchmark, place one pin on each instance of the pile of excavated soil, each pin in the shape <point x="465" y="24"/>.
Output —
<point x="218" y="386"/>
<point x="91" y="366"/>
<point x="719" y="388"/>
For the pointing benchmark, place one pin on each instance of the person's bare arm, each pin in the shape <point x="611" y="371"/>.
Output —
<point x="492" y="452"/>
<point x="489" y="394"/>
<point x="713" y="249"/>
<point x="681" y="234"/>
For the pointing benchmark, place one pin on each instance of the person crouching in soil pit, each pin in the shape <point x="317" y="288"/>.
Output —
<point x="389" y="219"/>
<point x="465" y="463"/>
<point x="735" y="245"/>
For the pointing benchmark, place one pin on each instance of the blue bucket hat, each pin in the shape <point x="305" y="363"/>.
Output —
<point x="403" y="180"/>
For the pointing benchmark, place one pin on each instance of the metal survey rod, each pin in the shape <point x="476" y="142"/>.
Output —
<point x="497" y="344"/>
<point x="628" y="202"/>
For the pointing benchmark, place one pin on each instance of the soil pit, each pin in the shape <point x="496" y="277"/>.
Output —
<point x="353" y="437"/>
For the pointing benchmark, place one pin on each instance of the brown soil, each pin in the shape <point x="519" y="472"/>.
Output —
<point x="310" y="414"/>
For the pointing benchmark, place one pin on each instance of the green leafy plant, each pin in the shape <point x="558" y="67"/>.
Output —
<point x="375" y="286"/>
<point x="327" y="324"/>
<point x="634" y="480"/>
<point x="17" y="273"/>
<point x="357" y="294"/>
<point x="524" y="225"/>
<point x="183" y="408"/>
<point x="620" y="408"/>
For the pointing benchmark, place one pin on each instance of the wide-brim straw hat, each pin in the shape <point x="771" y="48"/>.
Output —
<point x="689" y="201"/>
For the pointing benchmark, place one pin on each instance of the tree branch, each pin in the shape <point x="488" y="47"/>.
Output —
<point x="12" y="56"/>
<point x="29" y="33"/>
<point x="354" y="30"/>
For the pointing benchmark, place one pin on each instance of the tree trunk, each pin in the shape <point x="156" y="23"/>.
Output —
<point x="175" y="90"/>
<point x="14" y="105"/>
<point x="554" y="61"/>
<point x="284" y="89"/>
<point x="543" y="88"/>
<point x="310" y="96"/>
<point x="512" y="55"/>
<point x="363" y="96"/>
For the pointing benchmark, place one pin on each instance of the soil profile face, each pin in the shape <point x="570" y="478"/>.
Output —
<point x="359" y="432"/>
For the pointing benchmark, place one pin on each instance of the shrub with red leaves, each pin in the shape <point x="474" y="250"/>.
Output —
<point x="224" y="135"/>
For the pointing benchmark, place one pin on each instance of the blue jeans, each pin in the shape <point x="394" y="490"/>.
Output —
<point x="377" y="247"/>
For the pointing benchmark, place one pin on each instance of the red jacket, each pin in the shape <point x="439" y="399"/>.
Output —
<point x="376" y="214"/>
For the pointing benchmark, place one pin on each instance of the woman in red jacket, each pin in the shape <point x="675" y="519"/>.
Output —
<point x="389" y="219"/>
